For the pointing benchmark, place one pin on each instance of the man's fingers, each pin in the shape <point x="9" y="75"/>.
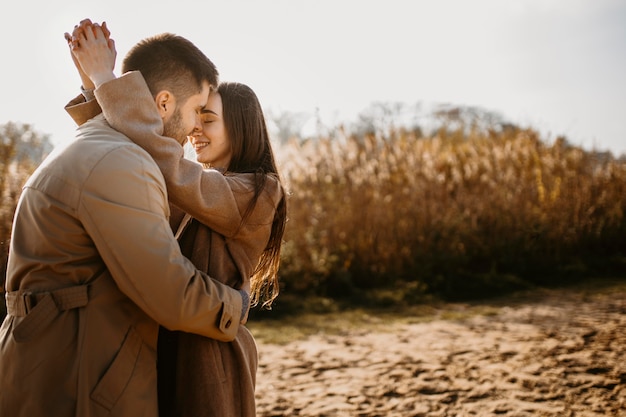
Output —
<point x="105" y="30"/>
<point x="88" y="31"/>
<point x="95" y="33"/>
<point x="72" y="42"/>
<point x="85" y="23"/>
<point x="112" y="46"/>
<point x="77" y="31"/>
<point x="78" y="34"/>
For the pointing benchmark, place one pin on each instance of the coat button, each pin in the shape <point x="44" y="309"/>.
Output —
<point x="228" y="323"/>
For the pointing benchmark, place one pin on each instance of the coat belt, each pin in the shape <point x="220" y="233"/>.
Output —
<point x="19" y="303"/>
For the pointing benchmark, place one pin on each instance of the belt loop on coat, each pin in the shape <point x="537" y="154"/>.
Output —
<point x="20" y="303"/>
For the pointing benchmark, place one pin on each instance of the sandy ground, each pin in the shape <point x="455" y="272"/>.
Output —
<point x="563" y="353"/>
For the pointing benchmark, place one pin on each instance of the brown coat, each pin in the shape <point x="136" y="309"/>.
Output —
<point x="93" y="269"/>
<point x="212" y="378"/>
<point x="199" y="376"/>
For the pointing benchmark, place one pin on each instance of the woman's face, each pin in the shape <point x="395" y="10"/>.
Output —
<point x="212" y="146"/>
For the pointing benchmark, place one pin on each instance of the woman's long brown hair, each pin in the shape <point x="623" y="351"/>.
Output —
<point x="252" y="153"/>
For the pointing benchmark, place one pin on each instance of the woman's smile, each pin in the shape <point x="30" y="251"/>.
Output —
<point x="199" y="146"/>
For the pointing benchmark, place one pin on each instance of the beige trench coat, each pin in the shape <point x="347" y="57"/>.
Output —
<point x="93" y="269"/>
<point x="208" y="377"/>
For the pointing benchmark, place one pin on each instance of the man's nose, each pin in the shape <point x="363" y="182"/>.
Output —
<point x="197" y="129"/>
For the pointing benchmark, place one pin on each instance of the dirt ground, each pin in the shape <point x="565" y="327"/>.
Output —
<point x="555" y="353"/>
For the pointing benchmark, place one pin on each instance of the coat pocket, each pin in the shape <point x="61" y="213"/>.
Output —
<point x="112" y="385"/>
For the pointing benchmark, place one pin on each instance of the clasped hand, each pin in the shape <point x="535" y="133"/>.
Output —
<point x="93" y="52"/>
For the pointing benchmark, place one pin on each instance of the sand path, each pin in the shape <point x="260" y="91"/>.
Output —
<point x="562" y="354"/>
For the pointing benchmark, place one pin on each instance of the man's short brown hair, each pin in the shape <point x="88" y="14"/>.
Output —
<point x="171" y="62"/>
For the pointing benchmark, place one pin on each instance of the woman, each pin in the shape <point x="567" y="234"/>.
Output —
<point x="234" y="140"/>
<point x="200" y="376"/>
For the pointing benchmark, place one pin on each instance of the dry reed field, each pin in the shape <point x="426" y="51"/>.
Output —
<point x="462" y="212"/>
<point x="449" y="213"/>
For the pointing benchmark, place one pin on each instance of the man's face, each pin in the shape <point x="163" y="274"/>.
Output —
<point x="185" y="119"/>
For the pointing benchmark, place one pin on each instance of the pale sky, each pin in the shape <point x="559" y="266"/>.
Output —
<point x="556" y="65"/>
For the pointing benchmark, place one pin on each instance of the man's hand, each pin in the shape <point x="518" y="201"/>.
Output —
<point x="93" y="53"/>
<point x="87" y="84"/>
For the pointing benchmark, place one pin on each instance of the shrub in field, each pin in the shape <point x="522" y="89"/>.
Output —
<point x="453" y="213"/>
<point x="21" y="149"/>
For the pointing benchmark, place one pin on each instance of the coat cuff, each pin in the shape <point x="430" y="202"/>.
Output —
<point x="233" y="314"/>
<point x="81" y="110"/>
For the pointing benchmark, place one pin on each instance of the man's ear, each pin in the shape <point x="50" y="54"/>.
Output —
<point x="166" y="103"/>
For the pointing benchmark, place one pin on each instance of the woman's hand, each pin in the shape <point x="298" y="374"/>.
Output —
<point x="93" y="53"/>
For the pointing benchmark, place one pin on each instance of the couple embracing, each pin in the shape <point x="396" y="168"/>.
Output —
<point x="126" y="258"/>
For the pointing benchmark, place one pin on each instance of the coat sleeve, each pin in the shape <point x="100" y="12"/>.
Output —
<point x="206" y="195"/>
<point x="81" y="110"/>
<point x="123" y="207"/>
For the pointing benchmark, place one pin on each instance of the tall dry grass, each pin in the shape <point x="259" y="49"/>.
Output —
<point x="18" y="145"/>
<point x="454" y="213"/>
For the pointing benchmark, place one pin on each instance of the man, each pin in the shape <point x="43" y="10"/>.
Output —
<point x="197" y="376"/>
<point x="94" y="267"/>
